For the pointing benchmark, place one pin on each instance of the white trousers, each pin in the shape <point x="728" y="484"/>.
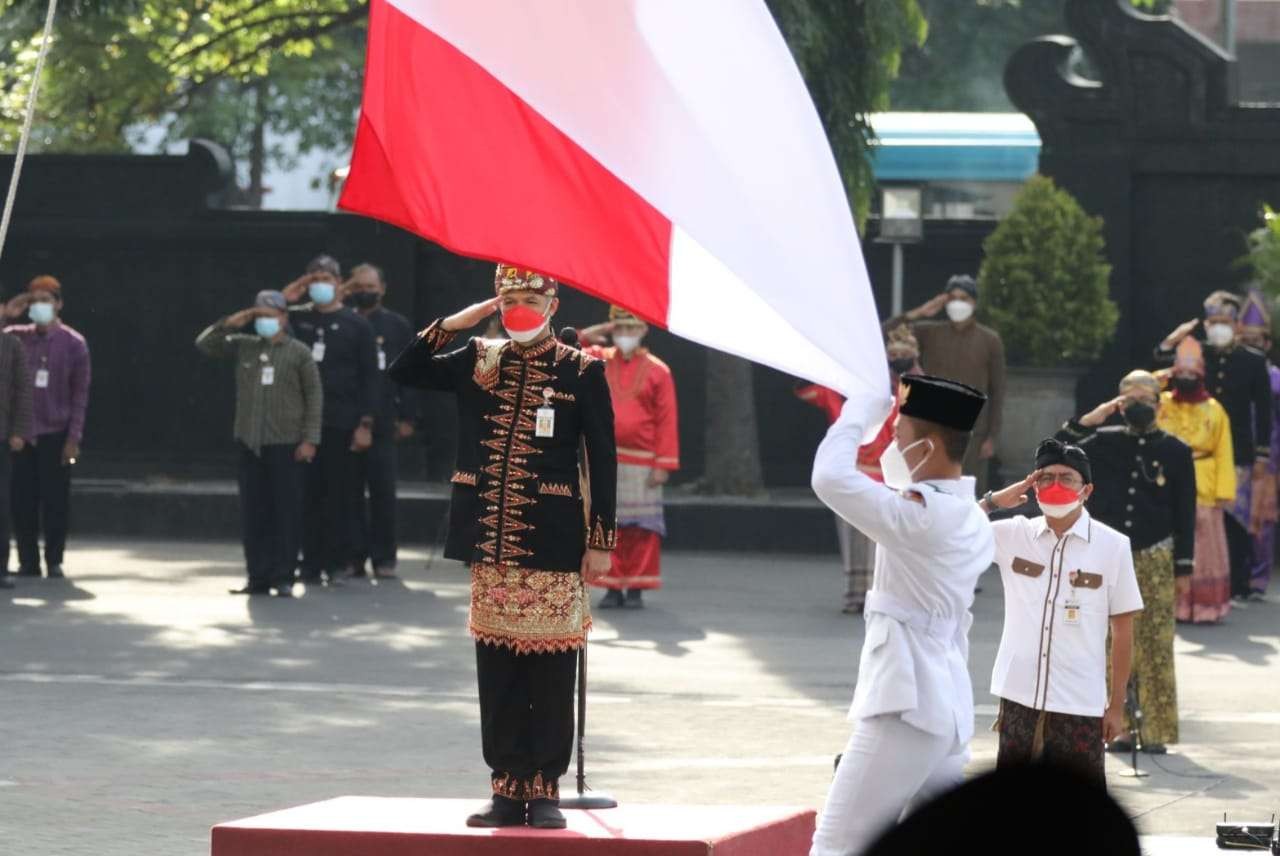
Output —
<point x="889" y="769"/>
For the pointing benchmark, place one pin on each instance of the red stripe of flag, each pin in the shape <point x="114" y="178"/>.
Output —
<point x="444" y="150"/>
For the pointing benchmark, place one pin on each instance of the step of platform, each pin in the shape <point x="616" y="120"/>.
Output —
<point x="382" y="826"/>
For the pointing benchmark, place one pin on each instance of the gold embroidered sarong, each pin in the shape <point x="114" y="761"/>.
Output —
<point x="530" y="612"/>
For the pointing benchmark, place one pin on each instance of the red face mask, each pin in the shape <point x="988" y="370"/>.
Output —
<point x="522" y="319"/>
<point x="1057" y="494"/>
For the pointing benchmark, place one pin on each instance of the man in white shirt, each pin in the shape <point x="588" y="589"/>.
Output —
<point x="1068" y="579"/>
<point x="913" y="706"/>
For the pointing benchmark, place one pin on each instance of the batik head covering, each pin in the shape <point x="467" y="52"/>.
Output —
<point x="1189" y="357"/>
<point x="902" y="343"/>
<point x="1256" y="317"/>
<point x="1222" y="304"/>
<point x="1140" y="379"/>
<point x="508" y="279"/>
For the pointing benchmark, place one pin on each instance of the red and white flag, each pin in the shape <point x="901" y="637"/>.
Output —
<point x="663" y="155"/>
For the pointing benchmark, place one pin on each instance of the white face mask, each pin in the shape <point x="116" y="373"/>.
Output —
<point x="626" y="344"/>
<point x="1220" y="335"/>
<point x="897" y="473"/>
<point x="959" y="311"/>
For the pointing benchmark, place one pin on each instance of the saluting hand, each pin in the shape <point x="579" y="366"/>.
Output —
<point x="471" y="316"/>
<point x="1102" y="412"/>
<point x="1179" y="333"/>
<point x="1015" y="494"/>
<point x="930" y="309"/>
<point x="15" y="307"/>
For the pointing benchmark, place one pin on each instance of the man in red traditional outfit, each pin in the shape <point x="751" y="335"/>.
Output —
<point x="644" y="419"/>
<point x="857" y="551"/>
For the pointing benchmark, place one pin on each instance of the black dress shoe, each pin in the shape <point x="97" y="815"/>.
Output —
<point x="1120" y="747"/>
<point x="1154" y="749"/>
<point x="634" y="599"/>
<point x="28" y="572"/>
<point x="5" y="582"/>
<point x="250" y="590"/>
<point x="499" y="811"/>
<point x="283" y="591"/>
<point x="55" y="572"/>
<point x="545" y="814"/>
<point x="612" y="600"/>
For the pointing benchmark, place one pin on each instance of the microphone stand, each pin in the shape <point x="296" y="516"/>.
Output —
<point x="1134" y="709"/>
<point x="597" y="799"/>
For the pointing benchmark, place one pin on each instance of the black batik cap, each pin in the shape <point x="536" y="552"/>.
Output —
<point x="1052" y="451"/>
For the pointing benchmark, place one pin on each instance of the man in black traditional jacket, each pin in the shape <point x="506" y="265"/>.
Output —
<point x="521" y="518"/>
<point x="1146" y="488"/>
<point x="1237" y="376"/>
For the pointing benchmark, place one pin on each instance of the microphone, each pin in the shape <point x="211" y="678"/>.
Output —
<point x="569" y="336"/>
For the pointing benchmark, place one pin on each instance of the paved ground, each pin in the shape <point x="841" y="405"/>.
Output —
<point x="141" y="704"/>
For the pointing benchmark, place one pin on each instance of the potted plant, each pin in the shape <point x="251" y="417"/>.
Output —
<point x="1044" y="286"/>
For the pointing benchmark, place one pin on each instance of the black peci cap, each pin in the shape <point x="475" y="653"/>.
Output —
<point x="945" y="402"/>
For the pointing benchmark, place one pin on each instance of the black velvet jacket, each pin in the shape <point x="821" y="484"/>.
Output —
<point x="1144" y="486"/>
<point x="517" y="497"/>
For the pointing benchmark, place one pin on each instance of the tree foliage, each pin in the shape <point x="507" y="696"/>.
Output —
<point x="1044" y="280"/>
<point x="1263" y="259"/>
<point x="849" y="53"/>
<point x="189" y="66"/>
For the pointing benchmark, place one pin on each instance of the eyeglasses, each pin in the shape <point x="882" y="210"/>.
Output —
<point x="1067" y="480"/>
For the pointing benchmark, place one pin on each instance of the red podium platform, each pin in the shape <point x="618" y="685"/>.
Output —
<point x="374" y="826"/>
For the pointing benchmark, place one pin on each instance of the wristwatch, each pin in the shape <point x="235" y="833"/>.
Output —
<point x="989" y="501"/>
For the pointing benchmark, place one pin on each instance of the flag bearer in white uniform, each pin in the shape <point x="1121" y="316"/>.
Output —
<point x="912" y="710"/>
<point x="1068" y="580"/>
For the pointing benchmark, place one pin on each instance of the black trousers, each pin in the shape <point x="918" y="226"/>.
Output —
<point x="270" y="514"/>
<point x="41" y="500"/>
<point x="526" y="719"/>
<point x="375" y="532"/>
<point x="1240" y="555"/>
<point x="329" y="506"/>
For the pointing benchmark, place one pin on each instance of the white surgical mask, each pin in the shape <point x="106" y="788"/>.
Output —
<point x="1220" y="335"/>
<point x="41" y="313"/>
<point x="897" y="473"/>
<point x="627" y="344"/>
<point x="959" y="311"/>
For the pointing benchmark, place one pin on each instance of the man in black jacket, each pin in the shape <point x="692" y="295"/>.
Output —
<point x="1236" y="375"/>
<point x="519" y="517"/>
<point x="375" y="527"/>
<point x="1145" y="488"/>
<point x="342" y="344"/>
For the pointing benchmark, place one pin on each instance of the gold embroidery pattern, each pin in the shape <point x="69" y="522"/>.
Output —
<point x="510" y="447"/>
<point x="436" y="337"/>
<point x="555" y="489"/>
<point x="530" y="612"/>
<point x="524" y="790"/>
<point x="603" y="539"/>
<point x="488" y="358"/>
<point x="461" y="477"/>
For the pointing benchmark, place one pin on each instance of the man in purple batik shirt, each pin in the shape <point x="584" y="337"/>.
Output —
<point x="1255" y="332"/>
<point x="57" y="361"/>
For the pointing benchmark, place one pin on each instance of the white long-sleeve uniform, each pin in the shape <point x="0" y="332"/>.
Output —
<point x="913" y="705"/>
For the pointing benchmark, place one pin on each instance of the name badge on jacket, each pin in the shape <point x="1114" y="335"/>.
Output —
<point x="42" y="378"/>
<point x="268" y="375"/>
